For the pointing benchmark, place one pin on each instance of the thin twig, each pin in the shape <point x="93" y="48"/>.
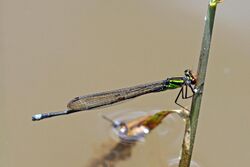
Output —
<point x="191" y="123"/>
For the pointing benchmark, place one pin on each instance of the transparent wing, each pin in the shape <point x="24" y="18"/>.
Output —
<point x="110" y="97"/>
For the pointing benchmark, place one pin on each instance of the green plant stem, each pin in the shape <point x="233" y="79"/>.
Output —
<point x="192" y="122"/>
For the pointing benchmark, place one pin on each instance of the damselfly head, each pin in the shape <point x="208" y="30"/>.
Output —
<point x="190" y="76"/>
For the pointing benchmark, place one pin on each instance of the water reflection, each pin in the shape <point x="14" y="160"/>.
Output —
<point x="137" y="128"/>
<point x="129" y="132"/>
<point x="120" y="152"/>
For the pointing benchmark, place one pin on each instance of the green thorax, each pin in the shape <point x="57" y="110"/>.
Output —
<point x="174" y="83"/>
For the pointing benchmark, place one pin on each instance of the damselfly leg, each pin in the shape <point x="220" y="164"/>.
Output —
<point x="184" y="95"/>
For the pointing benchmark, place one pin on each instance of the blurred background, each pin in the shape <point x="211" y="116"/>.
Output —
<point x="52" y="51"/>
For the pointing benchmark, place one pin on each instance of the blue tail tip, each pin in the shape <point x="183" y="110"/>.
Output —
<point x="37" y="117"/>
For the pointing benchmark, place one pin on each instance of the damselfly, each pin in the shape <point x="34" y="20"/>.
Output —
<point x="97" y="100"/>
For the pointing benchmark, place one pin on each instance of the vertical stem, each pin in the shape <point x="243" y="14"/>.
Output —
<point x="192" y="122"/>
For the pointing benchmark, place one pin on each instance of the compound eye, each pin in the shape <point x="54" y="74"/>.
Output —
<point x="187" y="72"/>
<point x="194" y="79"/>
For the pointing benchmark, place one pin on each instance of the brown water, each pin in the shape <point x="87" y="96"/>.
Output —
<point x="52" y="51"/>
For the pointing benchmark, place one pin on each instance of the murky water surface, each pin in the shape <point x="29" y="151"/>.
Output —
<point x="53" y="51"/>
